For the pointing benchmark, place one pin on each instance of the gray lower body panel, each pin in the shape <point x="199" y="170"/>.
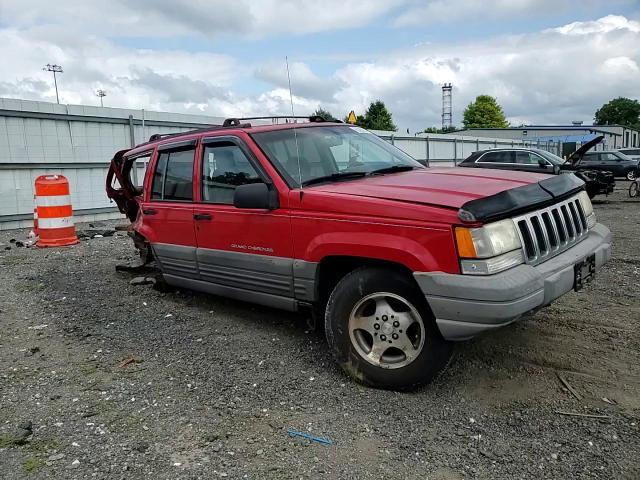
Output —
<point x="466" y="305"/>
<point x="176" y="260"/>
<point x="274" y="281"/>
<point x="275" y="301"/>
<point x="257" y="273"/>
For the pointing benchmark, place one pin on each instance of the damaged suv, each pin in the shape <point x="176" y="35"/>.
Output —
<point x="398" y="260"/>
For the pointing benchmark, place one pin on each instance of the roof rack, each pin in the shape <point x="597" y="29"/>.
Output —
<point x="235" y="123"/>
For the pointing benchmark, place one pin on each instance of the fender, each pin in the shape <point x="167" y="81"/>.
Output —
<point x="409" y="252"/>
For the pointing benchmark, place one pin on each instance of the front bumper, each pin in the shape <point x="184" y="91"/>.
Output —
<point x="466" y="305"/>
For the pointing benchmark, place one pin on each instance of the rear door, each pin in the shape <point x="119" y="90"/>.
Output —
<point x="501" y="159"/>
<point x="590" y="161"/>
<point x="240" y="251"/>
<point x="167" y="211"/>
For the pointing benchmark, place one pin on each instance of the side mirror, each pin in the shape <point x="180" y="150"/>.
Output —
<point x="542" y="163"/>
<point x="255" y="195"/>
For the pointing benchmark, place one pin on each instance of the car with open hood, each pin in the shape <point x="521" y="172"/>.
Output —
<point x="393" y="259"/>
<point x="612" y="161"/>
<point x="536" y="160"/>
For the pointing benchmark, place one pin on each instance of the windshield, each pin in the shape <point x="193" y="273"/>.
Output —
<point x="554" y="159"/>
<point x="624" y="157"/>
<point x="330" y="153"/>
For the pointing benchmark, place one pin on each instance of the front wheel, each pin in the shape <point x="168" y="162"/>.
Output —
<point x="633" y="189"/>
<point x="381" y="331"/>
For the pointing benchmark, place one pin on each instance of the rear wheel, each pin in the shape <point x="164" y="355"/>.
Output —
<point x="631" y="175"/>
<point x="633" y="189"/>
<point x="382" y="332"/>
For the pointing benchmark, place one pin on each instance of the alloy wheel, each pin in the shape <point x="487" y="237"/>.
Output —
<point x="386" y="330"/>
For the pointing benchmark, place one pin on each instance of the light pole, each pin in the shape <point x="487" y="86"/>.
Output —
<point x="55" y="69"/>
<point x="101" y="93"/>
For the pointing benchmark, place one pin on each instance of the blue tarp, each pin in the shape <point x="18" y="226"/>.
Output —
<point x="584" y="138"/>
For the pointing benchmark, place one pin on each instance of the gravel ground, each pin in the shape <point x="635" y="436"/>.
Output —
<point x="103" y="379"/>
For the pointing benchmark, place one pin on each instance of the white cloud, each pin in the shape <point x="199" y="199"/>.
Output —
<point x="211" y="18"/>
<point x="606" y="24"/>
<point x="552" y="76"/>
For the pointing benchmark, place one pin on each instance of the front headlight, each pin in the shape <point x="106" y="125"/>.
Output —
<point x="587" y="209"/>
<point x="489" y="249"/>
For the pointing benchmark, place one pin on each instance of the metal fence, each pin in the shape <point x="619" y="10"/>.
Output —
<point x="449" y="150"/>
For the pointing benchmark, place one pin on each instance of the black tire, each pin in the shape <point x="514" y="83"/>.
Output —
<point x="361" y="283"/>
<point x="630" y="174"/>
<point x="633" y="189"/>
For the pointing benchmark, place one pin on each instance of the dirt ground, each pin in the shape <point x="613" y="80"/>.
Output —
<point x="124" y="381"/>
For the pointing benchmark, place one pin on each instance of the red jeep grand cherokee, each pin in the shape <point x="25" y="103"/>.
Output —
<point x="399" y="259"/>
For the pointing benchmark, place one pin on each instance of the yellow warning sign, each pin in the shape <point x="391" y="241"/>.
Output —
<point x="352" y="117"/>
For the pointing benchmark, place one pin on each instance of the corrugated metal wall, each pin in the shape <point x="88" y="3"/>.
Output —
<point x="449" y="150"/>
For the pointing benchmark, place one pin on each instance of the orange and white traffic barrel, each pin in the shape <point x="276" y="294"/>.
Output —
<point x="54" y="211"/>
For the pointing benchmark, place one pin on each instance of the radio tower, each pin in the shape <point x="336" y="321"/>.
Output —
<point x="447" y="116"/>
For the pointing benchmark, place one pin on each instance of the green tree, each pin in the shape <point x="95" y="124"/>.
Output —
<point x="452" y="128"/>
<point x="377" y="117"/>
<point x="484" y="113"/>
<point x="619" y="111"/>
<point x="326" y="114"/>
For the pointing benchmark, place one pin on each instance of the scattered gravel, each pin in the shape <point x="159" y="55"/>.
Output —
<point x="116" y="380"/>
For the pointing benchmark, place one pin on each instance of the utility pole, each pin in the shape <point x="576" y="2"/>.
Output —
<point x="101" y="93"/>
<point x="55" y="69"/>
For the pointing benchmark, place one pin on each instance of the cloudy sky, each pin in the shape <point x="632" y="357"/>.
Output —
<point x="546" y="61"/>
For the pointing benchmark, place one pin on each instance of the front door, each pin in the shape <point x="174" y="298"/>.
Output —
<point x="608" y="162"/>
<point x="167" y="211"/>
<point x="532" y="162"/>
<point x="243" y="253"/>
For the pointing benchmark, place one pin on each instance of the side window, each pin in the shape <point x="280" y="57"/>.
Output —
<point x="527" y="158"/>
<point x="590" y="158"/>
<point x="158" y="176"/>
<point x="173" y="177"/>
<point x="609" y="157"/>
<point x="491" y="157"/>
<point x="138" y="171"/>
<point x="498" y="157"/>
<point x="224" y="167"/>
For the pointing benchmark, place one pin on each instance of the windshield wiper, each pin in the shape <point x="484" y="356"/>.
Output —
<point x="393" y="169"/>
<point x="334" y="177"/>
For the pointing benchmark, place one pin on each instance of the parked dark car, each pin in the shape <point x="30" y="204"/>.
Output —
<point x="613" y="161"/>
<point x="541" y="161"/>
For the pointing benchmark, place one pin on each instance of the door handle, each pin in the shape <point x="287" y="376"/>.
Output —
<point x="202" y="216"/>
<point x="149" y="211"/>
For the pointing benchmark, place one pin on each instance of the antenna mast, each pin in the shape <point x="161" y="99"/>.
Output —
<point x="295" y="134"/>
<point x="286" y="59"/>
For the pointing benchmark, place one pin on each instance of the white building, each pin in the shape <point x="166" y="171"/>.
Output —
<point x="615" y="136"/>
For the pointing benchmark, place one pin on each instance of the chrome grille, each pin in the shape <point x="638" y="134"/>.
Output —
<point x="549" y="231"/>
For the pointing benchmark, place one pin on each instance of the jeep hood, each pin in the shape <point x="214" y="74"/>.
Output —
<point x="482" y="194"/>
<point x="447" y="187"/>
